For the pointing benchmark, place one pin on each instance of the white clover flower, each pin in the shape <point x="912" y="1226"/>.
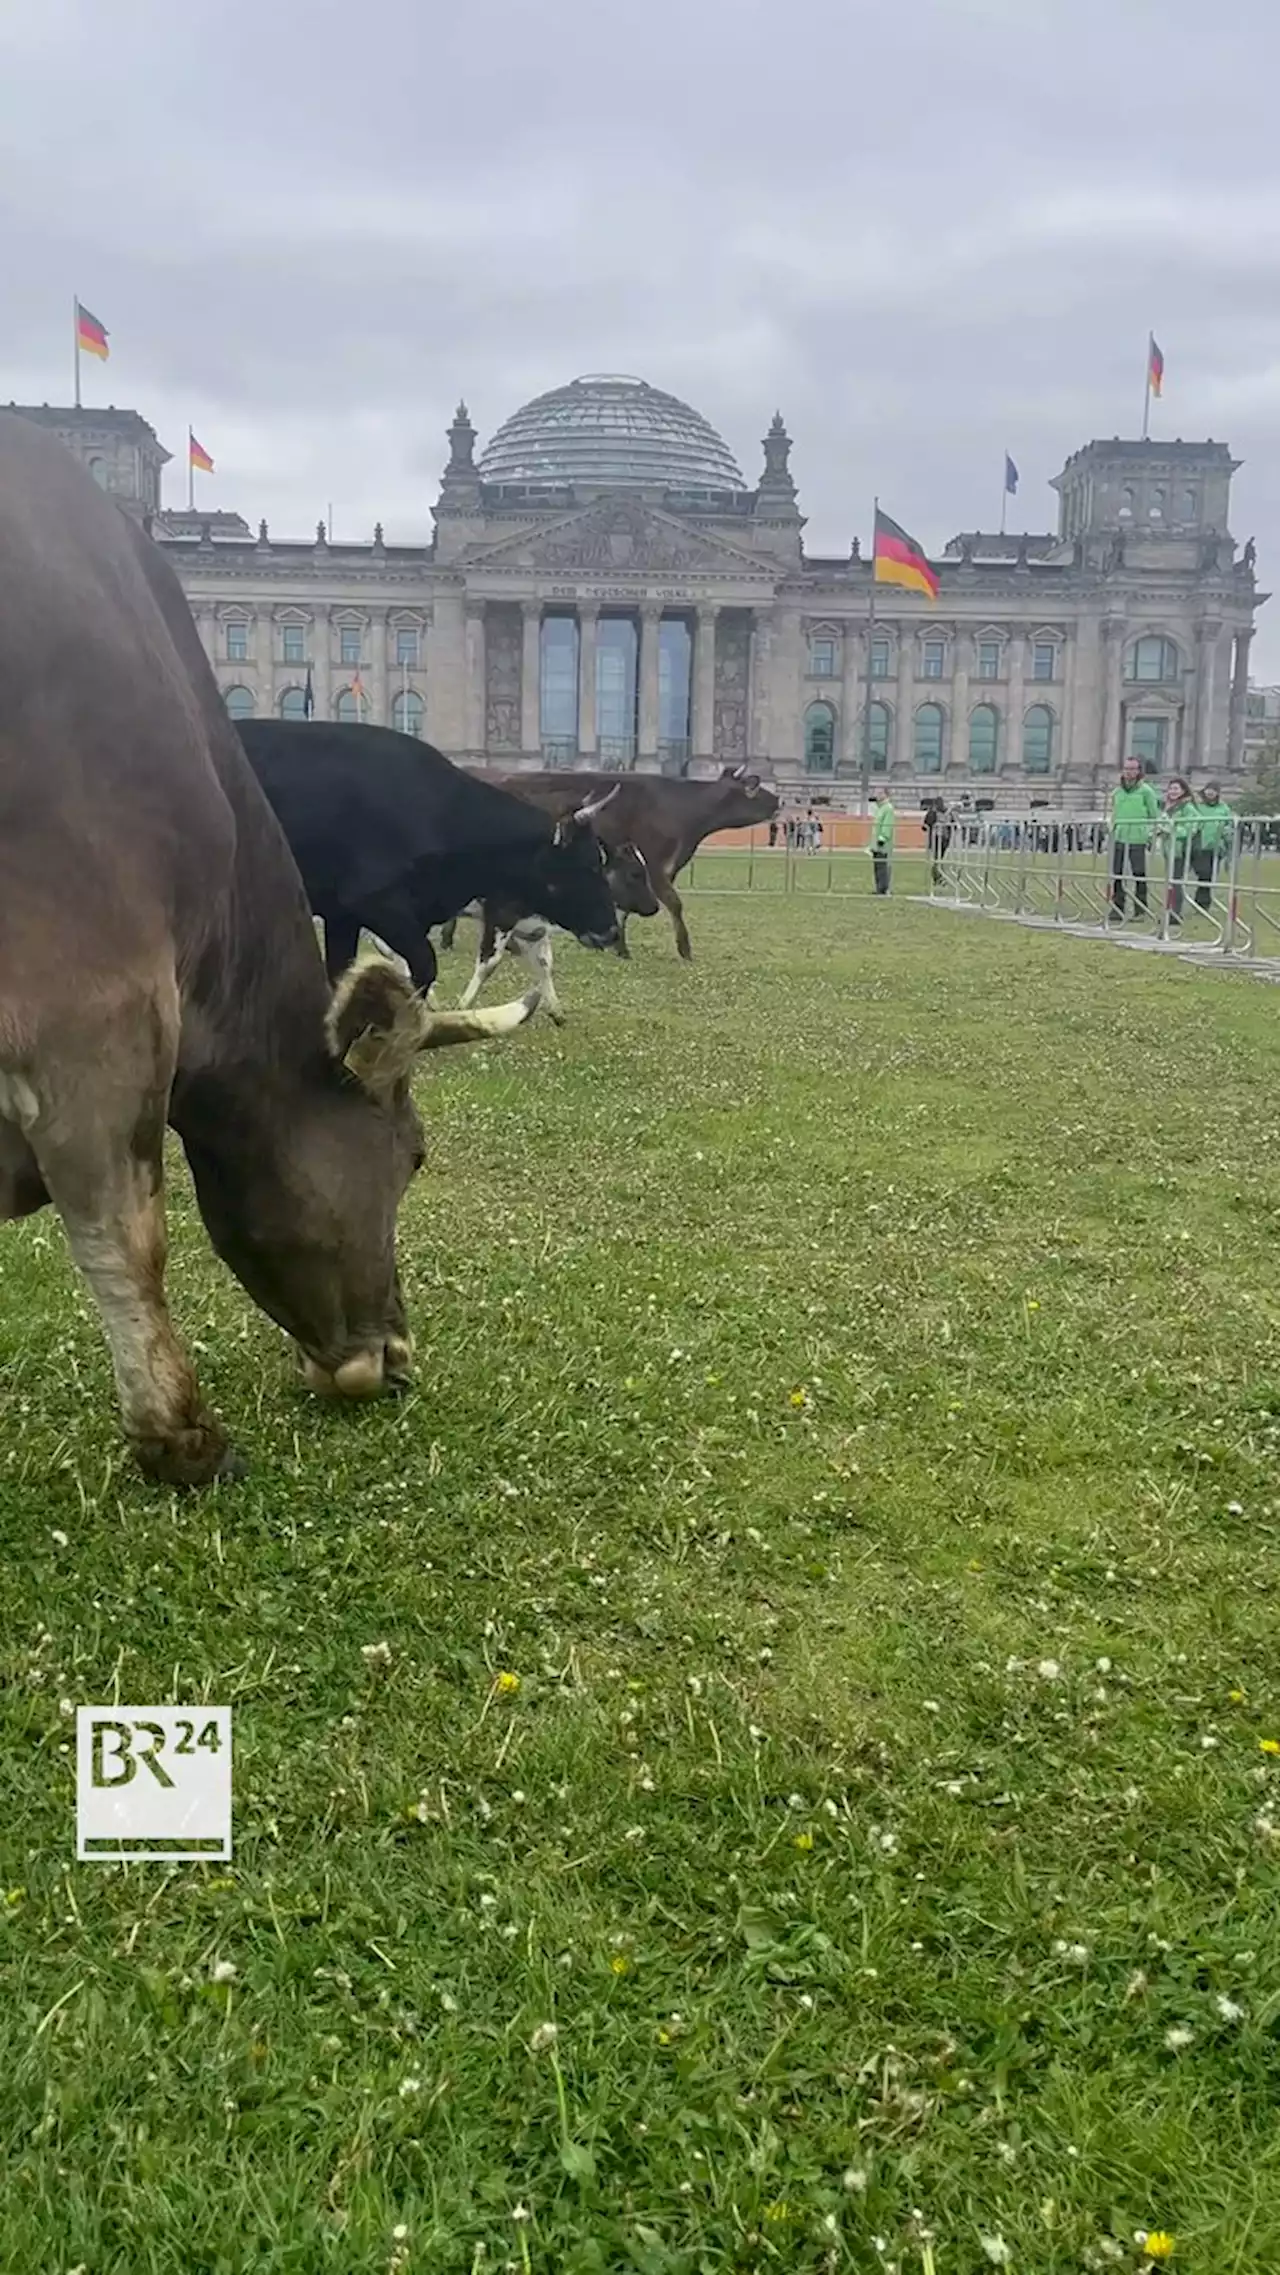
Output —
<point x="225" y="1971"/>
<point x="995" y="2250"/>
<point x="409" y="2086"/>
<point x="1177" y="2039"/>
<point x="544" y="2036"/>
<point x="1048" y="1670"/>
<point x="1228" y="2008"/>
<point x="376" y="1654"/>
<point x="856" y="2178"/>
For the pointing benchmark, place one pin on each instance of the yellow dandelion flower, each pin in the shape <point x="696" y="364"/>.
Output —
<point x="620" y="1963"/>
<point x="800" y="1397"/>
<point x="1159" y="2244"/>
<point x="506" y="1684"/>
<point x="1269" y="1745"/>
<point x="804" y="1840"/>
<point x="664" y="2037"/>
<point x="1236" y="1697"/>
<point x="779" y="2211"/>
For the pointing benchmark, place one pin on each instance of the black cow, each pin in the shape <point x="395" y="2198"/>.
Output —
<point x="390" y="836"/>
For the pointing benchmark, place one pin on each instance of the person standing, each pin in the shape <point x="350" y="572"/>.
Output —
<point x="882" y="828"/>
<point x="1135" y="811"/>
<point x="1214" y="825"/>
<point x="773" y="833"/>
<point x="1177" y="828"/>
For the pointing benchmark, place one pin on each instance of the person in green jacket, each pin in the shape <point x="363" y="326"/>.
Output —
<point x="1177" y="830"/>
<point x="882" y="827"/>
<point x="1135" y="810"/>
<point x="1212" y="840"/>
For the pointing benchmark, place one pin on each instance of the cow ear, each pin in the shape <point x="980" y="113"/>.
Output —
<point x="377" y="1025"/>
<point x="752" y="782"/>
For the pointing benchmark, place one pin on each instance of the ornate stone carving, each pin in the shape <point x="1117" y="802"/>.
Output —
<point x="504" y="641"/>
<point x="733" y="674"/>
<point x="618" y="534"/>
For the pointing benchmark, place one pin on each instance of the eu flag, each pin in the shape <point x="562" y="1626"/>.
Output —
<point x="1010" y="475"/>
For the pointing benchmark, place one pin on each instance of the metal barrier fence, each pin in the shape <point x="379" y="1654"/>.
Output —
<point x="1208" y="895"/>
<point x="1054" y="871"/>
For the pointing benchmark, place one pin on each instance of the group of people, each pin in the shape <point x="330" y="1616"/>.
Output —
<point x="800" y="833"/>
<point x="1196" y="830"/>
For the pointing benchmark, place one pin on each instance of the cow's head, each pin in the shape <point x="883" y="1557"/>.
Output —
<point x="572" y="883"/>
<point x="308" y="1224"/>
<point x="744" y="799"/>
<point x="629" y="879"/>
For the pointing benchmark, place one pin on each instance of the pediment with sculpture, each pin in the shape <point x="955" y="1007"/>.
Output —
<point x="619" y="536"/>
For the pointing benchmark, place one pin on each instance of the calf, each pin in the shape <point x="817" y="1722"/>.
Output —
<point x="503" y="927"/>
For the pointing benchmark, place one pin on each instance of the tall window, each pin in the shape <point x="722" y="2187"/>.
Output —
<point x="1148" y="740"/>
<point x="1126" y="502"/>
<point x="560" y="685"/>
<point x="1190" y="506"/>
<point x="239" y="702"/>
<point x="293" y="703"/>
<point x="935" y="658"/>
<point x="350" y="644"/>
<point x="881" y="728"/>
<point x="819" y="739"/>
<point x="406" y="712"/>
<point x="350" y="707"/>
<point x="1037" y="739"/>
<point x="984" y="733"/>
<point x="675" y="675"/>
<point x="293" y="643"/>
<point x="1155" y="511"/>
<point x="988" y="659"/>
<point x="1153" y="660"/>
<point x="879" y="659"/>
<point x="822" y="657"/>
<point x="1044" y="659"/>
<point x="928" y="741"/>
<point x="408" y="643"/>
<point x="237" y="643"/>
<point x="616" y="649"/>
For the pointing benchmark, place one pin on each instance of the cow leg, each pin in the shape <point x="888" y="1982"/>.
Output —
<point x="449" y="933"/>
<point x="104" y="1172"/>
<point x="341" y="941"/>
<point x="489" y="955"/>
<point x="396" y="924"/>
<point x="536" y="953"/>
<point x="622" y="949"/>
<point x="674" y="907"/>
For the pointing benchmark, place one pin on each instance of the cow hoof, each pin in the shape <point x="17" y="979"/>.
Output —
<point x="556" y="1017"/>
<point x="685" y="952"/>
<point x="191" y="1458"/>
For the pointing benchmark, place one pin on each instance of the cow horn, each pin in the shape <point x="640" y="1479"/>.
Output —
<point x="738" y="772"/>
<point x="445" y="1027"/>
<point x="592" y="806"/>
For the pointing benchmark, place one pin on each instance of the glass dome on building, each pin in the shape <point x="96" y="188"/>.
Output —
<point x="608" y="432"/>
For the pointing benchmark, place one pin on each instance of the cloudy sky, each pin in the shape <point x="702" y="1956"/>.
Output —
<point x="926" y="234"/>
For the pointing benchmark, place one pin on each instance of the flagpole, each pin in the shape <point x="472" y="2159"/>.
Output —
<point x="1004" y="495"/>
<point x="75" y="334"/>
<point x="191" y="474"/>
<point x="871" y="630"/>
<point x="1146" y="405"/>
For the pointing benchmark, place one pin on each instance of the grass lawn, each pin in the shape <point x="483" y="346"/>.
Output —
<point x="819" y="1803"/>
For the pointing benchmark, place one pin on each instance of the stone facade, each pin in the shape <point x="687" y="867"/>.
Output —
<point x="632" y="627"/>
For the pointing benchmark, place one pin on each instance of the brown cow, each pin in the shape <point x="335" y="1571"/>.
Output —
<point x="667" y="819"/>
<point x="158" y="963"/>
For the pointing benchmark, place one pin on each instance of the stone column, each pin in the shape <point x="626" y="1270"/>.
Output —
<point x="1016" y="701"/>
<point x="378" y="637"/>
<point x="904" y="722"/>
<point x="958" y="738"/>
<point x="1112" y="705"/>
<point x="262" y="643"/>
<point x="853" y="716"/>
<point x="760" y="739"/>
<point x="1239" y="704"/>
<point x="475" y="678"/>
<point x="321" y="673"/>
<point x="531" y="678"/>
<point x="446" y="672"/>
<point x="704" y="684"/>
<point x="650" y="618"/>
<point x="1207" y="632"/>
<point x="588" y="622"/>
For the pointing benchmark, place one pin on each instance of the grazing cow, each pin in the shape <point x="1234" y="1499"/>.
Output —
<point x="503" y="928"/>
<point x="667" y="819"/>
<point x="392" y="838"/>
<point x="158" y="964"/>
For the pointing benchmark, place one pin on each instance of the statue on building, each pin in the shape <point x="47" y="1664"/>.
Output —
<point x="855" y="549"/>
<point x="321" y="539"/>
<point x="1250" y="557"/>
<point x="777" y="492"/>
<point x="1113" y="558"/>
<point x="262" y="533"/>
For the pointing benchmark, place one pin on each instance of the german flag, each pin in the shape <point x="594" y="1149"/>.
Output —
<point x="199" y="456"/>
<point x="1155" y="367"/>
<point x="91" y="336"/>
<point x="900" y="561"/>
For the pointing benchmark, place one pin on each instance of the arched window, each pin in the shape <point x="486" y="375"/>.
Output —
<point x="1153" y="660"/>
<point x="406" y="713"/>
<point x="819" y="739"/>
<point x="1155" y="511"/>
<point x="984" y="737"/>
<point x="928" y="744"/>
<point x="239" y="702"/>
<point x="1037" y="739"/>
<point x="350" y="707"/>
<point x="879" y="732"/>
<point x="1126" y="502"/>
<point x="293" y="703"/>
<point x="1190" y="506"/>
<point x="98" y="469"/>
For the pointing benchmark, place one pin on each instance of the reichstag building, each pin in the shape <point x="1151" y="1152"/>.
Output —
<point x="605" y="588"/>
